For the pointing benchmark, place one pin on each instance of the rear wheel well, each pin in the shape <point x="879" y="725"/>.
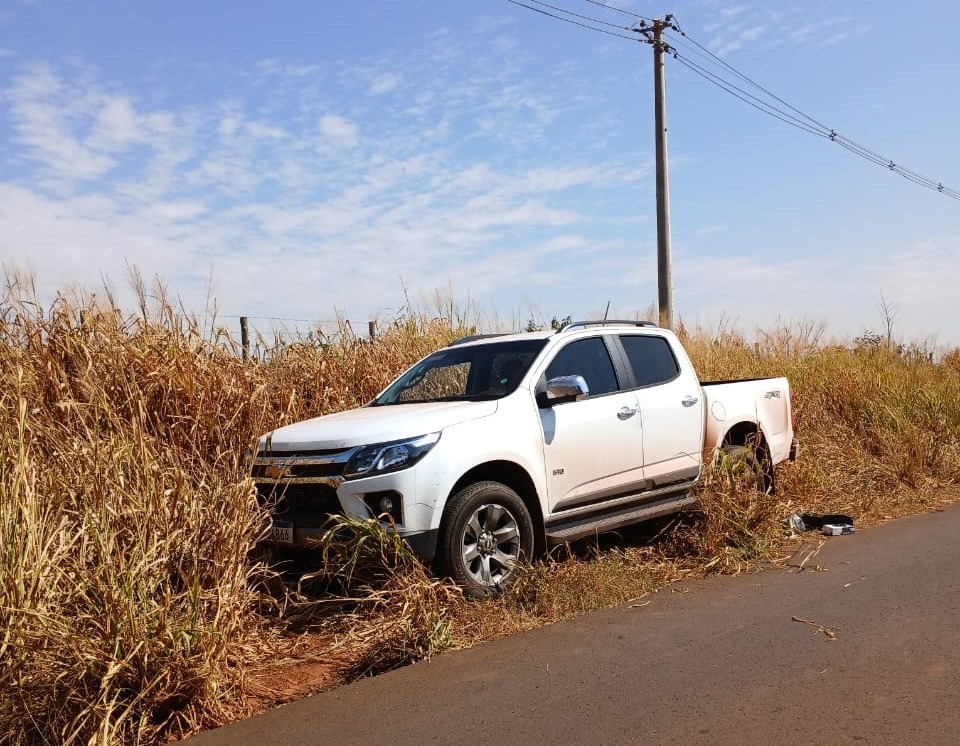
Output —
<point x="745" y="434"/>
<point x="749" y="435"/>
<point x="516" y="478"/>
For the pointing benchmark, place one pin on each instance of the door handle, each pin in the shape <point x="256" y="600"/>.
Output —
<point x="689" y="401"/>
<point x="626" y="412"/>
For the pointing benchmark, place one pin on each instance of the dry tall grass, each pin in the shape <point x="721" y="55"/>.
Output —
<point x="129" y="610"/>
<point x="879" y="425"/>
<point x="127" y="603"/>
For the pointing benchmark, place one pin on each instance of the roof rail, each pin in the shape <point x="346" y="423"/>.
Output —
<point x="605" y="322"/>
<point x="472" y="338"/>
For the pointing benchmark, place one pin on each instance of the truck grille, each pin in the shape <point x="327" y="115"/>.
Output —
<point x="299" y="470"/>
<point x="301" y="485"/>
<point x="307" y="505"/>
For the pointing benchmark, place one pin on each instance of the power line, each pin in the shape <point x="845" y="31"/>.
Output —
<point x="746" y="79"/>
<point x="744" y="96"/>
<point x="627" y="13"/>
<point x="814" y="127"/>
<point x="575" y="15"/>
<point x="570" y="20"/>
<point x="818" y="128"/>
<point x="773" y="106"/>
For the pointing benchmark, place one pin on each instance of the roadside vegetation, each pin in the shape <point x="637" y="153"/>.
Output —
<point x="133" y="604"/>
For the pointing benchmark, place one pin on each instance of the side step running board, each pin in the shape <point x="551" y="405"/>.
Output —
<point x="558" y="533"/>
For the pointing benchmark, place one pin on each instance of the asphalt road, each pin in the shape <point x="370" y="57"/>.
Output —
<point x="717" y="661"/>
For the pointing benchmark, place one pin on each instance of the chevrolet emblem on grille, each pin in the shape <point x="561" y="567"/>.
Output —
<point x="277" y="471"/>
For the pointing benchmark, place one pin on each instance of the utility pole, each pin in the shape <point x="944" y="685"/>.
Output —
<point x="654" y="36"/>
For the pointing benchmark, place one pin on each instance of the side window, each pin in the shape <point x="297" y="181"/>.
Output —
<point x="651" y="358"/>
<point x="588" y="358"/>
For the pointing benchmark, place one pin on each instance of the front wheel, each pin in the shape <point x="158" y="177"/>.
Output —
<point x="486" y="531"/>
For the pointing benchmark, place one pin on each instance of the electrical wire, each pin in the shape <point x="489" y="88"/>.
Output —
<point x="615" y="9"/>
<point x="775" y="106"/>
<point x="833" y="135"/>
<point x="575" y="23"/>
<point x="577" y="15"/>
<point x="746" y="97"/>
<point x="815" y="127"/>
<point x="676" y="27"/>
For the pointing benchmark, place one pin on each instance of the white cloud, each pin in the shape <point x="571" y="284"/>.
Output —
<point x="559" y="179"/>
<point x="733" y="27"/>
<point x="43" y="115"/>
<point x="229" y="126"/>
<point x="347" y="222"/>
<point x="721" y="15"/>
<point x="921" y="279"/>
<point x="75" y="134"/>
<point x="71" y="240"/>
<point x="299" y="209"/>
<point x="838" y="291"/>
<point x="117" y="125"/>
<point x="383" y="84"/>
<point x="338" y="130"/>
<point x="290" y="70"/>
<point x="265" y="130"/>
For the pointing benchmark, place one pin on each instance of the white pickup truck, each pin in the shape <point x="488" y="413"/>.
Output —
<point x="495" y="447"/>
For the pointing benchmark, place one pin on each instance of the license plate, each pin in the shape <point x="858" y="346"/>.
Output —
<point x="282" y="532"/>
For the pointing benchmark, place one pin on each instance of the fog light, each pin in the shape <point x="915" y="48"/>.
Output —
<point x="385" y="503"/>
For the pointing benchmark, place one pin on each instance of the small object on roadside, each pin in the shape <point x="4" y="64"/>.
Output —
<point x="795" y="523"/>
<point x="833" y="524"/>
<point x="837" y="529"/>
<point x="830" y="632"/>
<point x="814" y="520"/>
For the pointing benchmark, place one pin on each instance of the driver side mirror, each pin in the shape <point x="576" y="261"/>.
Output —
<point x="563" y="389"/>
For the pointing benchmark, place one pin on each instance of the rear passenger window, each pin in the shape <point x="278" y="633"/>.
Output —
<point x="651" y="358"/>
<point x="588" y="358"/>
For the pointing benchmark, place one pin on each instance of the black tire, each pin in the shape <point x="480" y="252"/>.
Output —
<point x="757" y="461"/>
<point x="486" y="530"/>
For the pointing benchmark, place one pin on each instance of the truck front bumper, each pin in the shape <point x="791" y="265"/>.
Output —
<point x="423" y="543"/>
<point x="301" y="520"/>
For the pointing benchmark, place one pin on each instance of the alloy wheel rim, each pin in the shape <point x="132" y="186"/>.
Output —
<point x="490" y="544"/>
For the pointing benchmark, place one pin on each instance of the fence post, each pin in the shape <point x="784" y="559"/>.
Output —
<point x="372" y="329"/>
<point x="245" y="337"/>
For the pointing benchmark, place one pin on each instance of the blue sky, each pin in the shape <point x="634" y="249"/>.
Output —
<point x="297" y="157"/>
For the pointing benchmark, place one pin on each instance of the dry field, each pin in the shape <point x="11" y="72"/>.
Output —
<point x="132" y="607"/>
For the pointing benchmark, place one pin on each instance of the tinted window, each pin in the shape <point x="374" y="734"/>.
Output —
<point x="437" y="383"/>
<point x="588" y="358"/>
<point x="651" y="358"/>
<point x="507" y="368"/>
<point x="477" y="371"/>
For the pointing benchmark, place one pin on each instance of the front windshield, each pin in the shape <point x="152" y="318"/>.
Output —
<point x="472" y="372"/>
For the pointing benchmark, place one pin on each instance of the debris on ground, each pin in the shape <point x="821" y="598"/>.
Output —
<point x="833" y="524"/>
<point x="830" y="632"/>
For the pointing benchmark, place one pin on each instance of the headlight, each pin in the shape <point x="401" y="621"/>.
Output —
<point x="386" y="457"/>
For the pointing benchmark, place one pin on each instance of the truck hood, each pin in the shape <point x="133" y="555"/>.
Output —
<point x="366" y="425"/>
